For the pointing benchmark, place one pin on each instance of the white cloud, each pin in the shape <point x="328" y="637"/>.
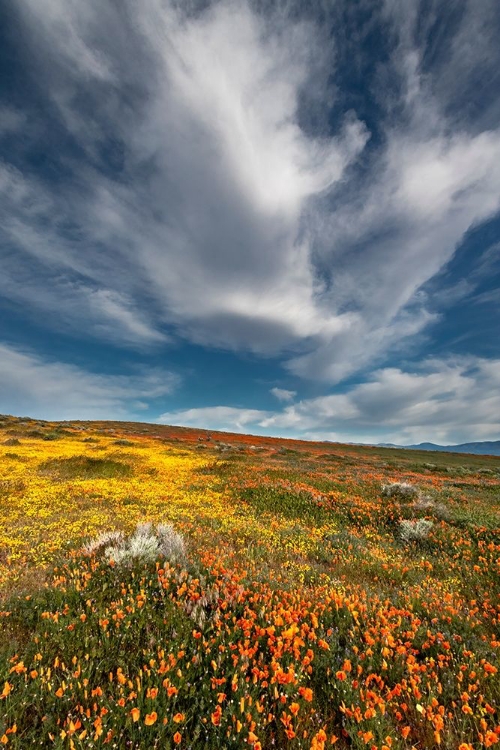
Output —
<point x="39" y="274"/>
<point x="84" y="311"/>
<point x="209" y="202"/>
<point x="32" y="385"/>
<point x="112" y="309"/>
<point x="432" y="181"/>
<point x="445" y="401"/>
<point x="225" y="418"/>
<point x="283" y="395"/>
<point x="208" y="215"/>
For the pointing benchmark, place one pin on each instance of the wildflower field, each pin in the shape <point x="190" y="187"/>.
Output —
<point x="171" y="588"/>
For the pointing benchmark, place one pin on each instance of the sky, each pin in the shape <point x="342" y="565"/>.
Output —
<point x="272" y="217"/>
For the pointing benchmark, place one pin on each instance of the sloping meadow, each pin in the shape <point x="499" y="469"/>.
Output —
<point x="171" y="588"/>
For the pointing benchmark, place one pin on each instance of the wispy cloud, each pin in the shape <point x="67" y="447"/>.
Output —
<point x="216" y="172"/>
<point x="432" y="180"/>
<point x="447" y="401"/>
<point x="283" y="395"/>
<point x="200" y="195"/>
<point x="226" y="418"/>
<point x="56" y="390"/>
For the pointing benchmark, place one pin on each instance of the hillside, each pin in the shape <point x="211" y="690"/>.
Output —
<point x="276" y="594"/>
<point x="484" y="448"/>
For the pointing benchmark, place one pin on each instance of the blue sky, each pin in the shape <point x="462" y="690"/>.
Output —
<point x="280" y="218"/>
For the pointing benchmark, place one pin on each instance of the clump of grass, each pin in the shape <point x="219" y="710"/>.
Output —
<point x="423" y="503"/>
<point x="442" y="512"/>
<point x="145" y="545"/>
<point x="288" y="452"/>
<point x="11" y="486"/>
<point x="402" y="491"/>
<point x="288" y="503"/>
<point x="12" y="441"/>
<point x="458" y="471"/>
<point x="85" y="467"/>
<point x="57" y="434"/>
<point x="343" y="539"/>
<point x="415" y="530"/>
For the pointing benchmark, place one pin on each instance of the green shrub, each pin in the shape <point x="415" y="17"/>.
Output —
<point x="85" y="467"/>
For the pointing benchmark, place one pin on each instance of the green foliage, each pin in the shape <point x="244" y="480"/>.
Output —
<point x="85" y="467"/>
<point x="287" y="503"/>
<point x="300" y="608"/>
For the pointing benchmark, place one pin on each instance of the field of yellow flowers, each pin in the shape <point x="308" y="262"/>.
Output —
<point x="319" y="595"/>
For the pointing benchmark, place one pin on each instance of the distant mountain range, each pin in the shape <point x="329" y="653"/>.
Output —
<point x="486" y="448"/>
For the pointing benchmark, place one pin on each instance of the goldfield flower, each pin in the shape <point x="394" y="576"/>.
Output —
<point x="268" y="595"/>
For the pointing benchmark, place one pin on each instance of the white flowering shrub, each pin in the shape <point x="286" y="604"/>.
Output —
<point x="423" y="503"/>
<point x="145" y="545"/>
<point x="416" y="530"/>
<point x="103" y="541"/>
<point x="171" y="543"/>
<point x="402" y="491"/>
